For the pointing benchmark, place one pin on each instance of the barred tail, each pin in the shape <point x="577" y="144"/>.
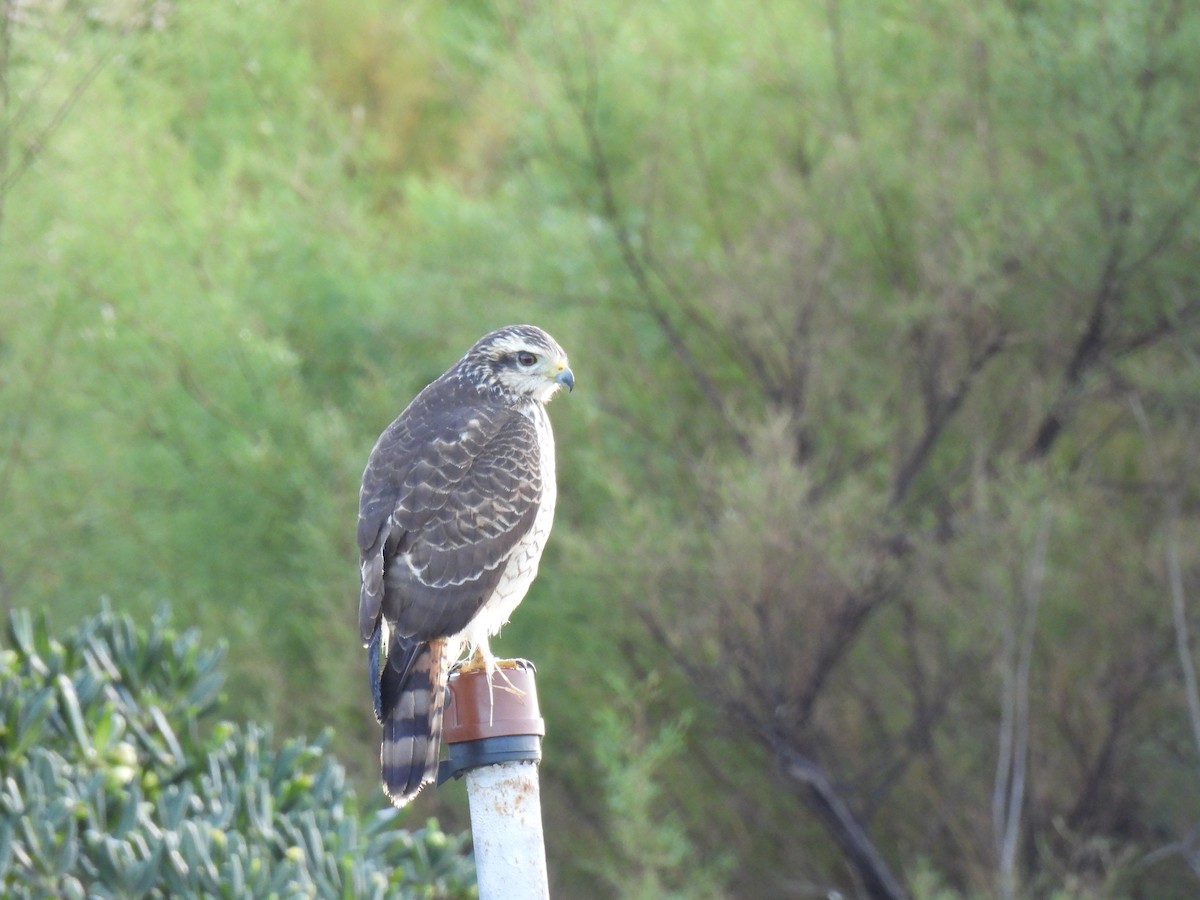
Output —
<point x="413" y="695"/>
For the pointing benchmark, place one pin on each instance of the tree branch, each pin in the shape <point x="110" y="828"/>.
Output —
<point x="1008" y="793"/>
<point x="940" y="410"/>
<point x="584" y="102"/>
<point x="841" y="823"/>
<point x="1170" y="502"/>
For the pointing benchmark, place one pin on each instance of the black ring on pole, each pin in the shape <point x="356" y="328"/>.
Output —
<point x="467" y="755"/>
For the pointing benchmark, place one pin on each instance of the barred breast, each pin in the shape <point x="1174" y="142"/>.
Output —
<point x="522" y="566"/>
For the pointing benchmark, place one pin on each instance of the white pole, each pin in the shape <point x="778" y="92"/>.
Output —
<point x="494" y="734"/>
<point x="506" y="827"/>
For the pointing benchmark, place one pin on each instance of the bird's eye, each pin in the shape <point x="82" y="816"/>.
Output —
<point x="526" y="359"/>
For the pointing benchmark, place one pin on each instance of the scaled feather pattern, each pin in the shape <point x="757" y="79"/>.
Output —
<point x="456" y="504"/>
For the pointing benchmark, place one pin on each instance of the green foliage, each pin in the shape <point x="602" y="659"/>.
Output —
<point x="855" y="292"/>
<point x="654" y="856"/>
<point x="116" y="782"/>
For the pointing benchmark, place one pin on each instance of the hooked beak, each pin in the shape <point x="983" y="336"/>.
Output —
<point x="566" y="379"/>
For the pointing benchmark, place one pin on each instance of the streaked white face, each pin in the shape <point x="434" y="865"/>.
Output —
<point x="532" y="368"/>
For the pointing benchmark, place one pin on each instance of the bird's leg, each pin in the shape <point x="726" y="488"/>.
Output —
<point x="482" y="660"/>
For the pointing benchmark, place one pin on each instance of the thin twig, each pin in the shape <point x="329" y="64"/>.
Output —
<point x="641" y="267"/>
<point x="34" y="149"/>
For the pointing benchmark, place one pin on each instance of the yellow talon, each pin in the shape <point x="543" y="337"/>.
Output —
<point x="477" y="663"/>
<point x="515" y="664"/>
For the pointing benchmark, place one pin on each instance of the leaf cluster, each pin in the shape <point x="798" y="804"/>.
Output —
<point x="117" y="781"/>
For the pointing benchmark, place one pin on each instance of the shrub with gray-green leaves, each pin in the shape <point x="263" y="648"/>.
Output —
<point x="117" y="781"/>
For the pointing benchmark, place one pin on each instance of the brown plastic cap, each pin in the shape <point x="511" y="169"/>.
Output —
<point x="509" y="708"/>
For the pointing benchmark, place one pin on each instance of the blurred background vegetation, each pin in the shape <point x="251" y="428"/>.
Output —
<point x="877" y="555"/>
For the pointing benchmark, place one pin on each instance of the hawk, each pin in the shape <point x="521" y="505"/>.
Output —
<point x="456" y="504"/>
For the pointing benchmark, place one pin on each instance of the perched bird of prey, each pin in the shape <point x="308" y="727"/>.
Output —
<point x="456" y="504"/>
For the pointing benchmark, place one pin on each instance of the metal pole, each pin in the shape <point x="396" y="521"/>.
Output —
<point x="494" y="736"/>
<point x="506" y="826"/>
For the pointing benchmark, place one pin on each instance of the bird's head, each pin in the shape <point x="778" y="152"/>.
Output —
<point x="520" y="361"/>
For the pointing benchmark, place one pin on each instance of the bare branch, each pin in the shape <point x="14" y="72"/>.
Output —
<point x="1008" y="793"/>
<point x="825" y="800"/>
<point x="1170" y="502"/>
<point x="1089" y="350"/>
<point x="939" y="411"/>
